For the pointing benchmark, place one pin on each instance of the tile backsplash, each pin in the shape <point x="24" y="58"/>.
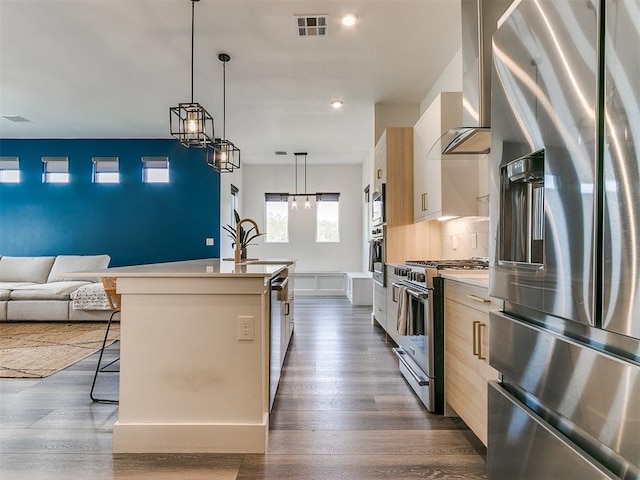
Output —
<point x="465" y="237"/>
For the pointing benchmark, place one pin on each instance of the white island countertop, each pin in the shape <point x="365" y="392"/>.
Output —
<point x="203" y="268"/>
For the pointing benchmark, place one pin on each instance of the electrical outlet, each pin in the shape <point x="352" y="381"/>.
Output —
<point x="474" y="240"/>
<point x="245" y="328"/>
<point x="209" y="242"/>
<point x="454" y="242"/>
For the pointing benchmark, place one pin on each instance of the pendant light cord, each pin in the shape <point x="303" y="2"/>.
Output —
<point x="193" y="9"/>
<point x="224" y="100"/>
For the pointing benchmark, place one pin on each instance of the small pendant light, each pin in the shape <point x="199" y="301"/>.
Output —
<point x="226" y="156"/>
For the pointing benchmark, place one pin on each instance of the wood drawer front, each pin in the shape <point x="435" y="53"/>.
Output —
<point x="471" y="295"/>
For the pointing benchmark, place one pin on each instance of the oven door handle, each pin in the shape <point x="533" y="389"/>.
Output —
<point x="410" y="291"/>
<point x="418" y="295"/>
<point x="400" y="354"/>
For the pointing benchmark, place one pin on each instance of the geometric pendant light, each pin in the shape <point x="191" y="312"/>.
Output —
<point x="226" y="156"/>
<point x="190" y="123"/>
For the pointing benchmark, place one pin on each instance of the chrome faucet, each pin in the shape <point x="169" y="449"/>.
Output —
<point x="238" y="240"/>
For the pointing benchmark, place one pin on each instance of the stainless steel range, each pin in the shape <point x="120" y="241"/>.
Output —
<point x="420" y="324"/>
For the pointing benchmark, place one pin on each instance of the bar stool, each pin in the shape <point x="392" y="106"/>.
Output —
<point x="109" y="284"/>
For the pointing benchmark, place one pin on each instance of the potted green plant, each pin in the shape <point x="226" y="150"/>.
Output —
<point x="246" y="236"/>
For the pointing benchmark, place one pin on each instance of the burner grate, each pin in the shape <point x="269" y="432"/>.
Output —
<point x="462" y="264"/>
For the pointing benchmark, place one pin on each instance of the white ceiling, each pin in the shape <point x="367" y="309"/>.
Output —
<point x="112" y="69"/>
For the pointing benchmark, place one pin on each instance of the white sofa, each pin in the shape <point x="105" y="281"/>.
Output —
<point x="32" y="289"/>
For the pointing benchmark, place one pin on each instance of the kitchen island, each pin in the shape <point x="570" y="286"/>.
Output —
<point x="194" y="356"/>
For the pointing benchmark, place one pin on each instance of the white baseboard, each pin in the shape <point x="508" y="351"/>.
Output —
<point x="189" y="438"/>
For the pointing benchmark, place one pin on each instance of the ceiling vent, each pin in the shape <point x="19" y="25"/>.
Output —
<point x="311" y="25"/>
<point x="16" y="118"/>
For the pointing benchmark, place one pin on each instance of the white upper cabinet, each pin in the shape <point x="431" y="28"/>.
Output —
<point x="443" y="185"/>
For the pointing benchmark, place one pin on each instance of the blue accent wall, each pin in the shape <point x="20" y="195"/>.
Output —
<point x="133" y="222"/>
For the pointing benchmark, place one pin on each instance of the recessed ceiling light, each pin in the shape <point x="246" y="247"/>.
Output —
<point x="349" y="19"/>
<point x="337" y="104"/>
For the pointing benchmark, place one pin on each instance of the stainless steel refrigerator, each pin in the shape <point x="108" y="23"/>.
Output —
<point x="565" y="241"/>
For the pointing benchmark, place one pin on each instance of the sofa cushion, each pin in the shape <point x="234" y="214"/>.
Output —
<point x="47" y="291"/>
<point x="77" y="263"/>
<point x="14" y="285"/>
<point x="25" y="269"/>
<point x="44" y="310"/>
<point x="4" y="294"/>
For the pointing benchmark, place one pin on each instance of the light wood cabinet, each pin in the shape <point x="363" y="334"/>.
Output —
<point x="467" y="368"/>
<point x="380" y="163"/>
<point x="393" y="161"/>
<point x="443" y="185"/>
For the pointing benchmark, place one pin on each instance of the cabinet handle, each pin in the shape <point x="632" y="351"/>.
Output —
<point x="394" y="292"/>
<point x="425" y="202"/>
<point x="479" y="299"/>
<point x="286" y="308"/>
<point x="379" y="173"/>
<point x="474" y="341"/>
<point x="480" y="327"/>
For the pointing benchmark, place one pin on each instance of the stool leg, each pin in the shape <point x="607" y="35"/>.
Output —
<point x="98" y="366"/>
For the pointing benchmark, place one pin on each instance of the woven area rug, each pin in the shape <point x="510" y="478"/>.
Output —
<point x="38" y="349"/>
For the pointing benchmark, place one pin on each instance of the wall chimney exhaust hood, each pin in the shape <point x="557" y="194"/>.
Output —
<point x="479" y="23"/>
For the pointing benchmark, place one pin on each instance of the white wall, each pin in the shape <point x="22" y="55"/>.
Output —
<point x="449" y="81"/>
<point x="311" y="256"/>
<point x="389" y="115"/>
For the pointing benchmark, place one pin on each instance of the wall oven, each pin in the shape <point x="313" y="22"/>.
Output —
<point x="377" y="256"/>
<point x="378" y="216"/>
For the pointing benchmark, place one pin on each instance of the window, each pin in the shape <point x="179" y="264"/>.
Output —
<point x="155" y="169"/>
<point x="9" y="170"/>
<point x="55" y="170"/>
<point x="235" y="205"/>
<point x="106" y="170"/>
<point x="277" y="217"/>
<point x="328" y="218"/>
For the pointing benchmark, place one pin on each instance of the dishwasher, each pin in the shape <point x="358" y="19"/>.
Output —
<point x="278" y="301"/>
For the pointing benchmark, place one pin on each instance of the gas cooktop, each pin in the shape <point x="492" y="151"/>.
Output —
<point x="459" y="264"/>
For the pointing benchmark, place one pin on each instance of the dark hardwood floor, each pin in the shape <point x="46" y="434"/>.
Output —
<point x="342" y="412"/>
